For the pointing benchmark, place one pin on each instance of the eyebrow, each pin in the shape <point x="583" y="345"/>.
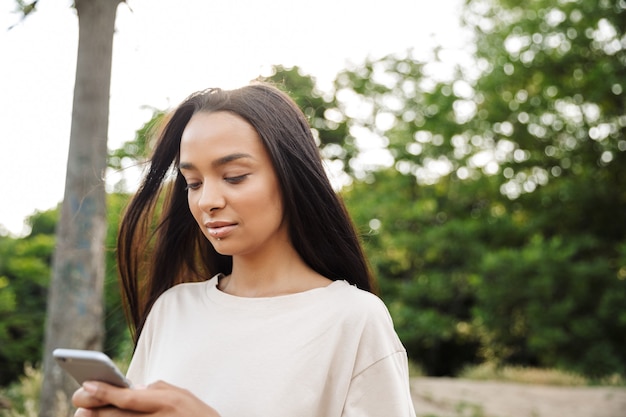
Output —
<point x="218" y="162"/>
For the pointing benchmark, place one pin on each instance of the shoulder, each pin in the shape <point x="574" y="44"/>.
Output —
<point x="359" y="299"/>
<point x="184" y="294"/>
<point x="361" y="306"/>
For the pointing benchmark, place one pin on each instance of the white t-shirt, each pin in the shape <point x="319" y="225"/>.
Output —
<point x="326" y="352"/>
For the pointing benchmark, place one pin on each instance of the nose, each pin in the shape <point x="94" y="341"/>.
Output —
<point x="210" y="198"/>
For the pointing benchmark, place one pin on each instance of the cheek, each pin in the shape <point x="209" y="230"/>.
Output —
<point x="274" y="206"/>
<point x="262" y="205"/>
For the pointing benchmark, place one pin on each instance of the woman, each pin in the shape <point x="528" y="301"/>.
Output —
<point x="257" y="299"/>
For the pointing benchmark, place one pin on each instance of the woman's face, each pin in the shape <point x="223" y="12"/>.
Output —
<point x="233" y="191"/>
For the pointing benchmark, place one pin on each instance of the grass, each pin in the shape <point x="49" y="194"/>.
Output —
<point x="536" y="376"/>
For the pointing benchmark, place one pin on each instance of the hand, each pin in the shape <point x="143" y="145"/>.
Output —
<point x="97" y="399"/>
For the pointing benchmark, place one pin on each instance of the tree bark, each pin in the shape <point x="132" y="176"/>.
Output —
<point x="75" y="298"/>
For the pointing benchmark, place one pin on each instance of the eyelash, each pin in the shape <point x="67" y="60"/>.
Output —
<point x="237" y="179"/>
<point x="231" y="180"/>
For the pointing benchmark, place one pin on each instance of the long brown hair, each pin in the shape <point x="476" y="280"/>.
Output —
<point x="154" y="257"/>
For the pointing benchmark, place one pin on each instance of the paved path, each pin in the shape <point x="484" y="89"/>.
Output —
<point x="447" y="397"/>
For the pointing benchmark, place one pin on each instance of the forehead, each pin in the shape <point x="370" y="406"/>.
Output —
<point x="218" y="133"/>
<point x="209" y="125"/>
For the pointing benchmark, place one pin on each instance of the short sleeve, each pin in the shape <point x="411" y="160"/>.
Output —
<point x="381" y="390"/>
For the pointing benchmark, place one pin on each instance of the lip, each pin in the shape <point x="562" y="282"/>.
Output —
<point x="220" y="229"/>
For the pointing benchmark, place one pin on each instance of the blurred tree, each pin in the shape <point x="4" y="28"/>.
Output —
<point x="74" y="315"/>
<point x="25" y="269"/>
<point x="425" y="244"/>
<point x="117" y="341"/>
<point x="563" y="312"/>
<point x="328" y="123"/>
<point x="24" y="280"/>
<point x="134" y="154"/>
<point x="402" y="112"/>
<point x="131" y="155"/>
<point x="423" y="228"/>
<point x="551" y="102"/>
<point x="516" y="159"/>
<point x="553" y="85"/>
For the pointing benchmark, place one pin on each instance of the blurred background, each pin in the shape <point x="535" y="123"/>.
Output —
<point x="480" y="147"/>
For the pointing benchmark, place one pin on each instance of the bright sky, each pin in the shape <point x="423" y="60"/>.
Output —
<point x="166" y="49"/>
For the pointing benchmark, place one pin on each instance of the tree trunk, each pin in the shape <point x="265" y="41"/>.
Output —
<point x="75" y="299"/>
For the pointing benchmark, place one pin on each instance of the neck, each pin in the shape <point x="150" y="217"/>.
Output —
<point x="270" y="274"/>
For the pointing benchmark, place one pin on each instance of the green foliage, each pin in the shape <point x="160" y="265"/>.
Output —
<point x="330" y="127"/>
<point x="21" y="398"/>
<point x="24" y="274"/>
<point x="139" y="149"/>
<point x="560" y="297"/>
<point x="43" y="222"/>
<point x="552" y="93"/>
<point x="134" y="153"/>
<point x="425" y="244"/>
<point x="500" y="235"/>
<point x="117" y="342"/>
<point x="24" y="278"/>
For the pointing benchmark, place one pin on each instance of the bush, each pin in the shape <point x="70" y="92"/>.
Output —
<point x="21" y="399"/>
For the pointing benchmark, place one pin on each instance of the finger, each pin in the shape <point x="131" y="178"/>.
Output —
<point x="159" y="397"/>
<point x="83" y="399"/>
<point x="82" y="412"/>
<point x="161" y="385"/>
<point x="138" y="400"/>
<point x="105" y="412"/>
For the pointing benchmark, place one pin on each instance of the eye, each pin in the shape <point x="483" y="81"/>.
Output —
<point x="192" y="186"/>
<point x="235" y="180"/>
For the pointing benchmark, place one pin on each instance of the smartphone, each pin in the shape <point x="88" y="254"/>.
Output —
<point x="90" y="365"/>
